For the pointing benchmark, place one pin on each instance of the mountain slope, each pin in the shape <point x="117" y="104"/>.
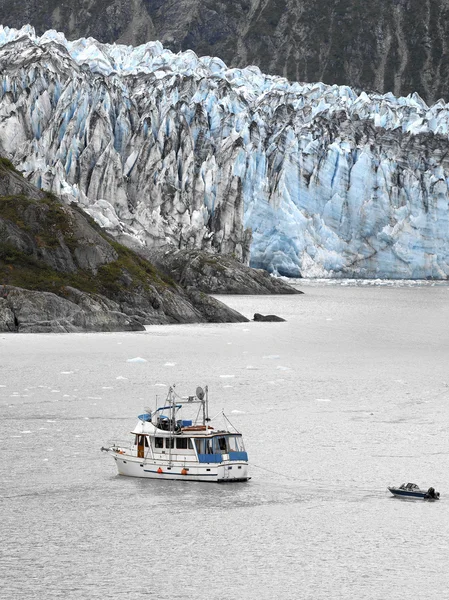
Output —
<point x="60" y="272"/>
<point x="397" y="46"/>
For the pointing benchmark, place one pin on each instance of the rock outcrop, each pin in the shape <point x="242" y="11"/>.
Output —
<point x="215" y="274"/>
<point x="397" y="46"/>
<point x="273" y="318"/>
<point x="27" y="311"/>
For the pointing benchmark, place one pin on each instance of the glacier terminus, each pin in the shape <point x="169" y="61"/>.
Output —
<point x="299" y="179"/>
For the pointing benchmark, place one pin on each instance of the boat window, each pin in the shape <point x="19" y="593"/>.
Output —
<point x="235" y="444"/>
<point x="200" y="446"/>
<point x="221" y="445"/>
<point x="184" y="443"/>
<point x="169" y="443"/>
<point x="209" y="446"/>
<point x="158" y="442"/>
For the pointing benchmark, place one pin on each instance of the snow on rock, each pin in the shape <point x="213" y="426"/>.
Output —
<point x="163" y="148"/>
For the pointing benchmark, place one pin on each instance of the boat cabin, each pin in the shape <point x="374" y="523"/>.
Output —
<point x="211" y="447"/>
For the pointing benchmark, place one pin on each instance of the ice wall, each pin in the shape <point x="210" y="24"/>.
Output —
<point x="172" y="148"/>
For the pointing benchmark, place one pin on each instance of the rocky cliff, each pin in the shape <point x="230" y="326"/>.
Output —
<point x="398" y="46"/>
<point x="60" y="272"/>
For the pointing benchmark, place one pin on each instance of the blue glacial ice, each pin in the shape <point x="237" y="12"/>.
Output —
<point x="160" y="148"/>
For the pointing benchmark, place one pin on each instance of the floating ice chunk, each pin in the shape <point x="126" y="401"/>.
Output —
<point x="160" y="385"/>
<point x="228" y="386"/>
<point x="67" y="372"/>
<point x="138" y="359"/>
<point x="107" y="387"/>
<point x="121" y="377"/>
<point x="226" y="376"/>
<point x="45" y="460"/>
<point x="237" y="412"/>
<point x="1" y="385"/>
<point x="48" y="421"/>
<point x="55" y="391"/>
<point x="323" y="400"/>
<point x="272" y="356"/>
<point x="26" y="431"/>
<point x="169" y="364"/>
<point x="94" y="397"/>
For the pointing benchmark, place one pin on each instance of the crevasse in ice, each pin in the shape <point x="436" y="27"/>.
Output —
<point x="299" y="179"/>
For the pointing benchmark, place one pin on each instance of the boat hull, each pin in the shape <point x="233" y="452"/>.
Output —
<point x="226" y="472"/>
<point x="421" y="495"/>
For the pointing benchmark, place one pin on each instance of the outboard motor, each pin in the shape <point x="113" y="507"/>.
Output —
<point x="432" y="494"/>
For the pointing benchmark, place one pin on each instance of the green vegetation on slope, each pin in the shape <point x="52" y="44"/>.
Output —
<point x="46" y="227"/>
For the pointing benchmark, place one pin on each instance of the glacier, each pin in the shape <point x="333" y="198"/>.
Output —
<point x="177" y="150"/>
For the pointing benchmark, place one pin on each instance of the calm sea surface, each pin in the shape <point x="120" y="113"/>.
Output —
<point x="349" y="395"/>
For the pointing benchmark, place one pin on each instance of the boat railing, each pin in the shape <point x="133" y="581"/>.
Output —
<point x="122" y="445"/>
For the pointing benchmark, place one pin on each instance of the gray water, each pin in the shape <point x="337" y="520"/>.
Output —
<point x="350" y="395"/>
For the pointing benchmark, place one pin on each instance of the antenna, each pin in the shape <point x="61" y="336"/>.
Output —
<point x="199" y="393"/>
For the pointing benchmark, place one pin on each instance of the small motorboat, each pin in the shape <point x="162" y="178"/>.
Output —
<point x="411" y="490"/>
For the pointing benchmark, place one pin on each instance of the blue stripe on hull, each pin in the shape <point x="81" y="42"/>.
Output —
<point x="408" y="494"/>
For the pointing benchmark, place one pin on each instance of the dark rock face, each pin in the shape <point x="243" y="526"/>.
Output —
<point x="75" y="277"/>
<point x="259" y="317"/>
<point x="384" y="45"/>
<point x="26" y="311"/>
<point x="214" y="274"/>
<point x="208" y="307"/>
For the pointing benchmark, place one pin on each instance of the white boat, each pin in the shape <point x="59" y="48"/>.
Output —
<point x="165" y="446"/>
